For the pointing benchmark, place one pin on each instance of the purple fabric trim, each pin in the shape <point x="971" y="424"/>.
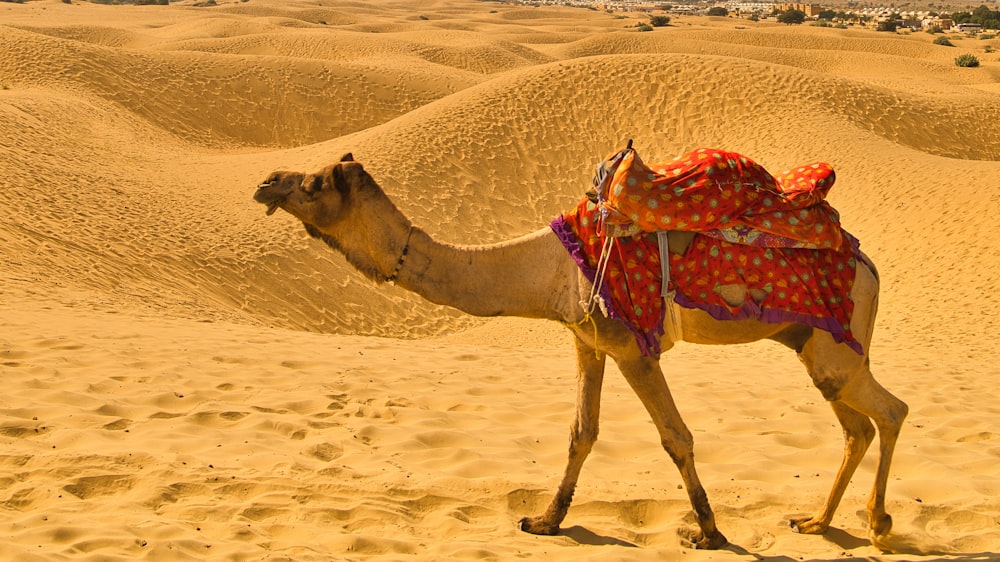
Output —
<point x="649" y="343"/>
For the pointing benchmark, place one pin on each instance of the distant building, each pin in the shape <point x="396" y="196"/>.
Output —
<point x="810" y="10"/>
<point x="745" y="7"/>
<point x="943" y="23"/>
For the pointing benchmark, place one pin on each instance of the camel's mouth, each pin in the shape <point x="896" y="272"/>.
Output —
<point x="268" y="196"/>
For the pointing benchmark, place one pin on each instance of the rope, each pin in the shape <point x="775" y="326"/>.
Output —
<point x="595" y="291"/>
<point x="602" y="268"/>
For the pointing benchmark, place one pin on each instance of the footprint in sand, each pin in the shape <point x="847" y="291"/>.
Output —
<point x="92" y="486"/>
<point x="978" y="437"/>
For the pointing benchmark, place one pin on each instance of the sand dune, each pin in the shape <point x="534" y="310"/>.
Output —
<point x="187" y="379"/>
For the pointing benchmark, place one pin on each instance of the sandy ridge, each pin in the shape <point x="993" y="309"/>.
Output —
<point x="187" y="379"/>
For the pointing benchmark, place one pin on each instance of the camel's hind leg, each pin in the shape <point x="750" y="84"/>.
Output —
<point x="845" y="379"/>
<point x="867" y="396"/>
<point x="582" y="436"/>
<point x="646" y="379"/>
<point x="858" y="435"/>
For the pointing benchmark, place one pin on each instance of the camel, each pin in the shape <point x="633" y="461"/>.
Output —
<point x="533" y="276"/>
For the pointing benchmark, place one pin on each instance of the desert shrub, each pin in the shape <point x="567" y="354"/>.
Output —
<point x="792" y="17"/>
<point x="821" y="23"/>
<point x="659" y="21"/>
<point x="888" y="25"/>
<point x="645" y="27"/>
<point x="943" y="41"/>
<point x="967" y="60"/>
<point x="718" y="11"/>
<point x="935" y="29"/>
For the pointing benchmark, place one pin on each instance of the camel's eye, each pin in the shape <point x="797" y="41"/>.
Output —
<point x="312" y="185"/>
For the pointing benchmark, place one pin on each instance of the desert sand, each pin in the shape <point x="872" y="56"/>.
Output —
<point x="187" y="379"/>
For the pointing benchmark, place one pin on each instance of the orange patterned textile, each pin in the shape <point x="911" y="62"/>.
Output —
<point x="806" y="281"/>
<point x="714" y="190"/>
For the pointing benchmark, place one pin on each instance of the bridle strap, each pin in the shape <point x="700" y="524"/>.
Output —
<point x="402" y="259"/>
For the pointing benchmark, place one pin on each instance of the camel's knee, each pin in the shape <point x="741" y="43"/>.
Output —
<point x="679" y="444"/>
<point x="582" y="437"/>
<point x="883" y="407"/>
<point x="900" y="409"/>
<point x="895" y="412"/>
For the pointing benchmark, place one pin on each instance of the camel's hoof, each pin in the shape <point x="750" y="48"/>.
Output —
<point x="537" y="526"/>
<point x="808" y="526"/>
<point x="700" y="541"/>
<point x="880" y="525"/>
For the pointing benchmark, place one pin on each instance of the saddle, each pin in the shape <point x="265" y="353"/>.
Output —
<point x="686" y="231"/>
<point x="722" y="194"/>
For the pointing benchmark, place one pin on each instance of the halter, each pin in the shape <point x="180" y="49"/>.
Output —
<point x="402" y="258"/>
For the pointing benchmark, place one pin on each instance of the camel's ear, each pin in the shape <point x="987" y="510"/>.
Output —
<point x="347" y="157"/>
<point x="341" y="174"/>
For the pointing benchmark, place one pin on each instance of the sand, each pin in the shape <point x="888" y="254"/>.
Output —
<point x="187" y="379"/>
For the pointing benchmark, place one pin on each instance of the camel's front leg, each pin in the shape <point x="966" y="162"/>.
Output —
<point x="646" y="379"/>
<point x="582" y="436"/>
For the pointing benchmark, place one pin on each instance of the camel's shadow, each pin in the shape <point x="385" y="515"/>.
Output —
<point x="839" y="537"/>
<point x="582" y="535"/>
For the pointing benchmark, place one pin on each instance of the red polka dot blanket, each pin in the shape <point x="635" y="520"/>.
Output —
<point x="780" y="240"/>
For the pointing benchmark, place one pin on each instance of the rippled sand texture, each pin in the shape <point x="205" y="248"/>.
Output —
<point x="186" y="379"/>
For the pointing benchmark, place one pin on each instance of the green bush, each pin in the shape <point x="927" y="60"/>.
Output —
<point x="792" y="17"/>
<point x="935" y="29"/>
<point x="645" y="27"/>
<point x="659" y="21"/>
<point x="943" y="41"/>
<point x="967" y="60"/>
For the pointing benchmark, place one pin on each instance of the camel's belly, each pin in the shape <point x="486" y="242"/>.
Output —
<point x="697" y="326"/>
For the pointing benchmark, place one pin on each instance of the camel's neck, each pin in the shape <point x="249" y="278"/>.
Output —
<point x="532" y="276"/>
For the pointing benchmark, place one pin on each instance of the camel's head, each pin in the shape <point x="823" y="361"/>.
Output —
<point x="315" y="199"/>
